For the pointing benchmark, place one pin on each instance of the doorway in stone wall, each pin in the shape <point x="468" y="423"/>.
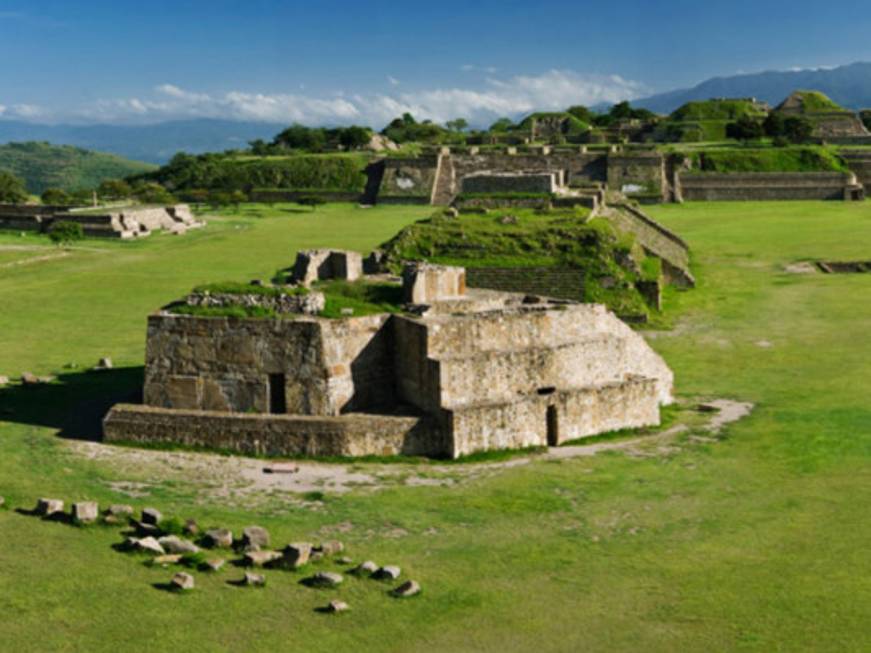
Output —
<point x="552" y="426"/>
<point x="277" y="398"/>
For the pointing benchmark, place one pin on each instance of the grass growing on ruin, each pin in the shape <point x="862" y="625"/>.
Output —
<point x="757" y="542"/>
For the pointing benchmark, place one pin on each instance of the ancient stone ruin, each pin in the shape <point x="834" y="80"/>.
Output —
<point x="125" y="222"/>
<point x="457" y="371"/>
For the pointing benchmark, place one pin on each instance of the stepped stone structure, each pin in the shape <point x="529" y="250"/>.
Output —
<point x="126" y="222"/>
<point x="459" y="371"/>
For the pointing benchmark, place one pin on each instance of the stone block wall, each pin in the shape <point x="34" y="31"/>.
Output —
<point x="276" y="435"/>
<point x="529" y="182"/>
<point x="765" y="186"/>
<point x="424" y="283"/>
<point x="562" y="283"/>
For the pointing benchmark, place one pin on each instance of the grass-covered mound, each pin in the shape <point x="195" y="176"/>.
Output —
<point x="610" y="261"/>
<point x="810" y="102"/>
<point x="706" y="121"/>
<point x="42" y="165"/>
<point x="805" y="158"/>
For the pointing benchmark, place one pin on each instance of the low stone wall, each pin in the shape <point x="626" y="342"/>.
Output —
<point x="765" y="186"/>
<point x="310" y="303"/>
<point x="275" y="435"/>
<point x="503" y="203"/>
<point x="129" y="222"/>
<point x="519" y="182"/>
<point x="562" y="283"/>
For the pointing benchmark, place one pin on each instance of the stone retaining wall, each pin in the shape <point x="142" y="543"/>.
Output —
<point x="562" y="283"/>
<point x="274" y="435"/>
<point x="765" y="186"/>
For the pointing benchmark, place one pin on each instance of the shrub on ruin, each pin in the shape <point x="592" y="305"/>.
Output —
<point x="12" y="189"/>
<point x="65" y="232"/>
<point x="745" y="129"/>
<point x="56" y="197"/>
<point x="114" y="189"/>
<point x="152" y="193"/>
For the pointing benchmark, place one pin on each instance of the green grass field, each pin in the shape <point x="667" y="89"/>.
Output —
<point x="756" y="542"/>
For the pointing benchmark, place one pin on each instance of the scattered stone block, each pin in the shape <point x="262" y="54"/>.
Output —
<point x="452" y="212"/>
<point x="254" y="580"/>
<point x="148" y="544"/>
<point x="104" y="363"/>
<point x="85" y="512"/>
<point x="424" y="283"/>
<point x="120" y="510"/>
<point x="46" y="379"/>
<point x="325" y="579"/>
<point x="336" y="606"/>
<point x="347" y="312"/>
<point x="344" y="560"/>
<point x="182" y="582"/>
<point x="407" y="589"/>
<point x="366" y="568"/>
<point x="145" y="529"/>
<point x="256" y="536"/>
<point x="151" y="516"/>
<point x="295" y="555"/>
<point x="191" y="527"/>
<point x="216" y="564"/>
<point x="168" y="559"/>
<point x="281" y="468"/>
<point x="330" y="547"/>
<point x="2" y="502"/>
<point x="4" y="380"/>
<point x="49" y="507"/>
<point x="389" y="572"/>
<point x="27" y="378"/>
<point x="218" y="538"/>
<point x="260" y="558"/>
<point x="175" y="544"/>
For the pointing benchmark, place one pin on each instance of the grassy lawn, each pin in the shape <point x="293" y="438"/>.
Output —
<point x="755" y="542"/>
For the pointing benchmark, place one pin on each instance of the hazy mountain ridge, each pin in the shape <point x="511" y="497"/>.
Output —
<point x="849" y="86"/>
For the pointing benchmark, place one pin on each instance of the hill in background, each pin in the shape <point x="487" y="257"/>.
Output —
<point x="43" y="165"/>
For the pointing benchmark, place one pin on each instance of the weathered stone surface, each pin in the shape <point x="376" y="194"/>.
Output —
<point x="325" y="579"/>
<point x="388" y="572"/>
<point x="4" y="380"/>
<point x="218" y="538"/>
<point x="168" y="559"/>
<point x="310" y="303"/>
<point x="407" y="589"/>
<point x="260" y="558"/>
<point x="2" y="502"/>
<point x="344" y="560"/>
<point x="151" y="516"/>
<point x="28" y="378"/>
<point x="120" y="510"/>
<point x="295" y="555"/>
<point x="425" y="283"/>
<point x="191" y="527"/>
<point x="330" y="547"/>
<point x="85" y="512"/>
<point x="148" y="544"/>
<point x="366" y="568"/>
<point x="321" y="264"/>
<point x="254" y="580"/>
<point x="215" y="564"/>
<point x="255" y="535"/>
<point x="175" y="544"/>
<point x="182" y="581"/>
<point x="336" y="606"/>
<point x="49" y="507"/>
<point x="104" y="363"/>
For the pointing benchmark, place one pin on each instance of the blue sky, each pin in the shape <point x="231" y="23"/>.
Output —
<point x="332" y="61"/>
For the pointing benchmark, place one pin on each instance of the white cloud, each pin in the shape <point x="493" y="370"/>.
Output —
<point x="494" y="97"/>
<point x="392" y="80"/>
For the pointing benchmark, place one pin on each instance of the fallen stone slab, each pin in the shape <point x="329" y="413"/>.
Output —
<point x="151" y="516"/>
<point x="218" y="538"/>
<point x="216" y="564"/>
<point x="295" y="555"/>
<point x="85" y="512"/>
<point x="330" y="547"/>
<point x="2" y="502"/>
<point x="281" y="468"/>
<point x="254" y="580"/>
<point x="366" y="568"/>
<point x="149" y="545"/>
<point x="260" y="558"/>
<point x="324" y="579"/>
<point x="389" y="572"/>
<point x="182" y="581"/>
<point x="407" y="589"/>
<point x="46" y="379"/>
<point x="4" y="380"/>
<point x="191" y="527"/>
<point x="175" y="544"/>
<point x="145" y="529"/>
<point x="344" y="560"/>
<point x="168" y="559"/>
<point x="28" y="378"/>
<point x="336" y="606"/>
<point x="104" y="363"/>
<point x="255" y="536"/>
<point x="49" y="507"/>
<point x="120" y="510"/>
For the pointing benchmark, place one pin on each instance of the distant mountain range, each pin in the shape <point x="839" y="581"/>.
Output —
<point x="152" y="143"/>
<point x="849" y="86"/>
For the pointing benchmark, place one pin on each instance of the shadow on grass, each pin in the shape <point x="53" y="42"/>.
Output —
<point x="74" y="404"/>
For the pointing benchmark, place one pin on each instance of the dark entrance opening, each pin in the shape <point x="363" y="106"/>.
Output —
<point x="552" y="427"/>
<point x="277" y="400"/>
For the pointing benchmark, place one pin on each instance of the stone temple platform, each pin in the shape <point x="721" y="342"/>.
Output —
<point x="459" y="371"/>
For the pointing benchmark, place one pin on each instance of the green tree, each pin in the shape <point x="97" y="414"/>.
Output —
<point x="152" y="193"/>
<point x="56" y="197"/>
<point x="354" y="137"/>
<point x="745" y="129"/>
<point x="300" y="137"/>
<point x="581" y="113"/>
<point x="64" y="232"/>
<point x="797" y="129"/>
<point x="237" y="197"/>
<point x="502" y="125"/>
<point x="114" y="189"/>
<point x="457" y="124"/>
<point x="12" y="189"/>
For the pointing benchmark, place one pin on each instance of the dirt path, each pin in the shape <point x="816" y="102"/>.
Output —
<point x="236" y="478"/>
